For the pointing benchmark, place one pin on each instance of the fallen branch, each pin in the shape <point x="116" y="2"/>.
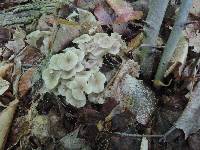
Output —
<point x="138" y="135"/>
<point x="27" y="13"/>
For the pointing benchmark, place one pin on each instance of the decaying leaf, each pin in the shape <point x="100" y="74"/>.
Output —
<point x="103" y="16"/>
<point x="143" y="99"/>
<point x="71" y="141"/>
<point x="5" y="34"/>
<point x="135" y="42"/>
<point x="6" y="117"/>
<point x="4" y="68"/>
<point x="65" y="34"/>
<point x="113" y="88"/>
<point x="189" y="121"/>
<point x="178" y="59"/>
<point x="17" y="43"/>
<point x="124" y="11"/>
<point x="4" y="85"/>
<point x="195" y="10"/>
<point x="192" y="32"/>
<point x="25" y="82"/>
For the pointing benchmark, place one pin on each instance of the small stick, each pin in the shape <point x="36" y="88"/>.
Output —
<point x="138" y="135"/>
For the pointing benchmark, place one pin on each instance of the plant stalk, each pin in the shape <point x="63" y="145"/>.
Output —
<point x="174" y="37"/>
<point x="157" y="9"/>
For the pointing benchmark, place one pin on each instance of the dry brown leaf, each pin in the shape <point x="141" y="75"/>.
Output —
<point x="6" y="117"/>
<point x="124" y="11"/>
<point x="135" y="42"/>
<point x="189" y="121"/>
<point x="113" y="87"/>
<point x="178" y="59"/>
<point x="5" y="34"/>
<point x="25" y="82"/>
<point x="4" y="68"/>
<point x="64" y="36"/>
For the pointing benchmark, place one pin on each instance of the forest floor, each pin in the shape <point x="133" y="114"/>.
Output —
<point x="71" y="78"/>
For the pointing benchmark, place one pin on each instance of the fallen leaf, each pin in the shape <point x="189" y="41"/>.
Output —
<point x="113" y="88"/>
<point x="135" y="42"/>
<point x="87" y="4"/>
<point x="178" y="59"/>
<point x="124" y="11"/>
<point x="103" y="16"/>
<point x="4" y="85"/>
<point x="6" y="117"/>
<point x="142" y="98"/>
<point x="195" y="10"/>
<point x="40" y="39"/>
<point x="4" y="68"/>
<point x="30" y="56"/>
<point x="5" y="34"/>
<point x="64" y="35"/>
<point x="192" y="33"/>
<point x="25" y="82"/>
<point x="17" y="42"/>
<point x="15" y="45"/>
<point x="189" y="121"/>
<point x="71" y="141"/>
<point x="194" y="140"/>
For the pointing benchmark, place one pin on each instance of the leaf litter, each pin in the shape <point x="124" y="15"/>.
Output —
<point x="102" y="35"/>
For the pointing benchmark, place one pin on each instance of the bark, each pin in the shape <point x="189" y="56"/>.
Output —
<point x="27" y="13"/>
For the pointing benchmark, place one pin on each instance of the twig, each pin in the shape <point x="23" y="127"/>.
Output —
<point x="139" y="135"/>
<point x="174" y="37"/>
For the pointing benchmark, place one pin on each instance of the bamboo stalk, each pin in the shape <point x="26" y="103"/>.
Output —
<point x="174" y="37"/>
<point x="154" y="20"/>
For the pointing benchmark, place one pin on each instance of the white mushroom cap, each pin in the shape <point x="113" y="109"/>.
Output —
<point x="74" y="102"/>
<point x="99" y="52"/>
<point x="54" y="62"/>
<point x="115" y="48"/>
<point x="79" y="52"/>
<point x="103" y="40"/>
<point x="88" y="47"/>
<point x="68" y="74"/>
<point x="79" y="83"/>
<point x="96" y="82"/>
<point x="69" y="61"/>
<point x="116" y="36"/>
<point x="64" y="61"/>
<point x="51" y="78"/>
<point x="75" y="97"/>
<point x="82" y="39"/>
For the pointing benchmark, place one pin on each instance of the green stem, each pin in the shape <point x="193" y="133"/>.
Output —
<point x="154" y="20"/>
<point x="172" y="41"/>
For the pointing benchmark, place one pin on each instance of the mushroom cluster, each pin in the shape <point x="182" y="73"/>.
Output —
<point x="98" y="45"/>
<point x="68" y="74"/>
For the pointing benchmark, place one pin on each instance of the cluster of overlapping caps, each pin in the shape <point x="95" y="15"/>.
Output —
<point x="75" y="72"/>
